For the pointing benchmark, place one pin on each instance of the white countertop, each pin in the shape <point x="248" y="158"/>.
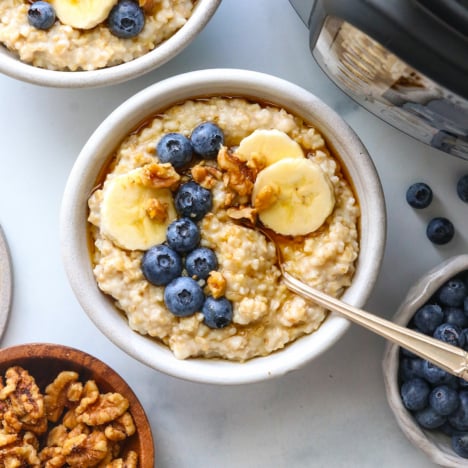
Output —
<point x="333" y="412"/>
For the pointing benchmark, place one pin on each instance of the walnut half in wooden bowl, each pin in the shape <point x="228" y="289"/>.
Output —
<point x="60" y="406"/>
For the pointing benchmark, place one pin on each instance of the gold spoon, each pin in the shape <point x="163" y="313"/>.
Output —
<point x="443" y="355"/>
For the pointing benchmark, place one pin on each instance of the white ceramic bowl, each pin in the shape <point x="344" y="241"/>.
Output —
<point x="11" y="65"/>
<point x="434" y="444"/>
<point x="126" y="117"/>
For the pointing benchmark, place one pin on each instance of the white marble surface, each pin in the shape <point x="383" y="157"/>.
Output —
<point x="333" y="412"/>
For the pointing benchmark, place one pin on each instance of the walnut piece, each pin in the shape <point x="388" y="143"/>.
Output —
<point x="239" y="177"/>
<point x="216" y="284"/>
<point x="149" y="6"/>
<point x="205" y="175"/>
<point x="266" y="197"/>
<point x="85" y="450"/>
<point x="108" y="407"/>
<point x="160" y="176"/>
<point x="56" y="397"/>
<point x="243" y="212"/>
<point x="156" y="209"/>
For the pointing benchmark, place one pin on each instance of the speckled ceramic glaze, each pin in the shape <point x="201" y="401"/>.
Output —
<point x="261" y="87"/>
<point x="435" y="445"/>
<point x="10" y="65"/>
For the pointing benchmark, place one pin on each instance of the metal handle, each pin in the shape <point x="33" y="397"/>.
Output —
<point x="443" y="355"/>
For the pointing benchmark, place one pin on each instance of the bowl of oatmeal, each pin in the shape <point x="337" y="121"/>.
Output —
<point x="61" y="406"/>
<point x="69" y="44"/>
<point x="171" y="209"/>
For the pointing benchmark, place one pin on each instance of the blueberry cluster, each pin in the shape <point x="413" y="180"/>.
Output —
<point x="125" y="20"/>
<point x="181" y="264"/>
<point x="437" y="399"/>
<point x="439" y="230"/>
<point x="205" y="142"/>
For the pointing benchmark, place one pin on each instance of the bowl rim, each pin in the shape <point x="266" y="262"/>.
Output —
<point x="13" y="67"/>
<point x="417" y="295"/>
<point x="37" y="351"/>
<point x="125" y="117"/>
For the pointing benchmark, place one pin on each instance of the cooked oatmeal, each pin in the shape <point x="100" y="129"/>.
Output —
<point x="65" y="48"/>
<point x="266" y="316"/>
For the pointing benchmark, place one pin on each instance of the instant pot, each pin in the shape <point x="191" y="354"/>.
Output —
<point x="406" y="61"/>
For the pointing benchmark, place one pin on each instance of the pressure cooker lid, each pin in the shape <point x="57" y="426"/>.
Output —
<point x="429" y="35"/>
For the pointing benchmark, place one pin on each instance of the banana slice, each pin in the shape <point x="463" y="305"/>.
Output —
<point x="82" y="14"/>
<point x="268" y="146"/>
<point x="134" y="215"/>
<point x="293" y="196"/>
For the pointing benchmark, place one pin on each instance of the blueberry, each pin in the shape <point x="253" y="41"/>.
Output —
<point x="193" y="201"/>
<point x="462" y="383"/>
<point x="415" y="394"/>
<point x="429" y="419"/>
<point x="460" y="444"/>
<point x="200" y="262"/>
<point x="444" y="400"/>
<point x="428" y="317"/>
<point x="452" y="292"/>
<point x="456" y="316"/>
<point x="126" y="19"/>
<point x="450" y="334"/>
<point x="465" y="305"/>
<point x="435" y="375"/>
<point x="183" y="235"/>
<point x="183" y="296"/>
<point x="459" y="418"/>
<point x="161" y="264"/>
<point x="410" y="368"/>
<point x="217" y="313"/>
<point x="41" y="15"/>
<point x="419" y="195"/>
<point x="174" y="148"/>
<point x="440" y="231"/>
<point x="462" y="188"/>
<point x="207" y="139"/>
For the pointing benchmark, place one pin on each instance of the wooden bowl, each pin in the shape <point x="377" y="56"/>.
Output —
<point x="44" y="361"/>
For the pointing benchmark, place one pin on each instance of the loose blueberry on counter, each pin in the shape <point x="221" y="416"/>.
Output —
<point x="200" y="262"/>
<point x="183" y="235"/>
<point x="160" y="265"/>
<point x="452" y="293"/>
<point x="440" y="231"/>
<point x="217" y="313"/>
<point x="193" y="201"/>
<point x="415" y="394"/>
<point x="462" y="188"/>
<point x="126" y="19"/>
<point x="460" y="444"/>
<point x="174" y="148"/>
<point x="428" y="318"/>
<point x="183" y="296"/>
<point x="207" y="139"/>
<point x="41" y="15"/>
<point x="419" y="195"/>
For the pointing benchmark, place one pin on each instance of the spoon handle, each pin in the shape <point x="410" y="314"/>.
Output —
<point x="444" y="355"/>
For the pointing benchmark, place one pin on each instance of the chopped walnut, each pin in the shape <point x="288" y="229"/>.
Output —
<point x="216" y="284"/>
<point x="160" y="176"/>
<point x="206" y="175"/>
<point x="120" y="428"/>
<point x="130" y="461"/>
<point x="52" y="457"/>
<point x="90" y="396"/>
<point x="244" y="212"/>
<point x="108" y="407"/>
<point x="239" y="177"/>
<point x="19" y="454"/>
<point x="149" y="6"/>
<point x="85" y="450"/>
<point x="7" y="439"/>
<point x="266" y="197"/>
<point x="24" y="400"/>
<point x="57" y="436"/>
<point x="70" y="419"/>
<point x="156" y="209"/>
<point x="56" y="397"/>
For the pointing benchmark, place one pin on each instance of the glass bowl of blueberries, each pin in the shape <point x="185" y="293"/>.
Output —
<point x="431" y="405"/>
